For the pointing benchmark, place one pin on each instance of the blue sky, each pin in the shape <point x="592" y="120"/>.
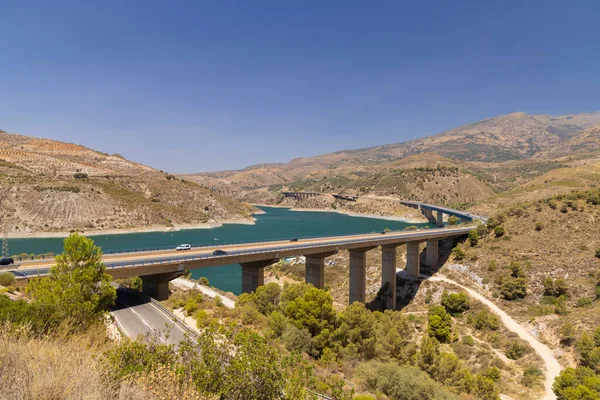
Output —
<point x="191" y="86"/>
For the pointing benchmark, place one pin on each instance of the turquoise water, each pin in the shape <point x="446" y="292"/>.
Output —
<point x="277" y="223"/>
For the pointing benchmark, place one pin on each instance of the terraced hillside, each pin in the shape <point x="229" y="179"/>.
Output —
<point x="53" y="186"/>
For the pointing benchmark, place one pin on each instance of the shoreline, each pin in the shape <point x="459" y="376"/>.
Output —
<point x="410" y="220"/>
<point x="142" y="229"/>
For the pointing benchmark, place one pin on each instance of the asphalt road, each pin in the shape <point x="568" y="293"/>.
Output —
<point x="151" y="257"/>
<point x="138" y="318"/>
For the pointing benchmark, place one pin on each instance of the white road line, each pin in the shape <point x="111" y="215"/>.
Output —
<point x="168" y="317"/>
<point x="142" y="319"/>
<point x="120" y="326"/>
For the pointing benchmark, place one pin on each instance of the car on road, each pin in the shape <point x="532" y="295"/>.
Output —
<point x="6" y="261"/>
<point x="293" y="240"/>
<point x="183" y="247"/>
<point x="219" y="253"/>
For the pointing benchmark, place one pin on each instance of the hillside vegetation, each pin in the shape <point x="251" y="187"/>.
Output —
<point x="461" y="167"/>
<point x="54" y="186"/>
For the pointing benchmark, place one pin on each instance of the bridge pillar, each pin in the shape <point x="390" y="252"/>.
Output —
<point x="388" y="275"/>
<point x="412" y="259"/>
<point x="253" y="274"/>
<point x="157" y="286"/>
<point x="432" y="253"/>
<point x="315" y="269"/>
<point x="358" y="270"/>
<point x="448" y="243"/>
<point x="440" y="219"/>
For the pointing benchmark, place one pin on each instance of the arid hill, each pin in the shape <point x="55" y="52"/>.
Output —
<point x="54" y="186"/>
<point x="459" y="167"/>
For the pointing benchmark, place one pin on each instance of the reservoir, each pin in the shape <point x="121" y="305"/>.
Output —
<point x="274" y="224"/>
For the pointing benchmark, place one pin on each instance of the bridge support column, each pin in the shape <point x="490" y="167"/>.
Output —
<point x="358" y="278"/>
<point x="157" y="286"/>
<point x="432" y="253"/>
<point x="440" y="219"/>
<point x="388" y="275"/>
<point x="448" y="243"/>
<point x="253" y="274"/>
<point x="412" y="259"/>
<point x="315" y="269"/>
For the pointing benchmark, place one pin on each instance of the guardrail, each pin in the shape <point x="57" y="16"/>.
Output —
<point x="269" y="250"/>
<point x="205" y="245"/>
<point x="182" y="259"/>
<point x="162" y="308"/>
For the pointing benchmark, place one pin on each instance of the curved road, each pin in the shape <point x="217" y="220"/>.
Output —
<point x="136" y="317"/>
<point x="553" y="368"/>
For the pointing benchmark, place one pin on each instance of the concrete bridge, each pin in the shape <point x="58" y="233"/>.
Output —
<point x="157" y="268"/>
<point x="428" y="209"/>
<point x="306" y="195"/>
<point x="302" y="195"/>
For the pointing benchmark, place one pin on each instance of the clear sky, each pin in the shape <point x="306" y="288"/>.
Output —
<point x="190" y="86"/>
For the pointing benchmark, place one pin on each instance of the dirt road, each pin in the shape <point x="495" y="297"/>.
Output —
<point x="553" y="368"/>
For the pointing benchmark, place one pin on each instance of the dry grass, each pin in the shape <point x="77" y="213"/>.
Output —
<point x="70" y="367"/>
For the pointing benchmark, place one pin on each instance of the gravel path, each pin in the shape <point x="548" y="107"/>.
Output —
<point x="553" y="368"/>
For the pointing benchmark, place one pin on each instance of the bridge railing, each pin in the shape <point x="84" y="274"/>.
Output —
<point x="176" y="259"/>
<point x="227" y="243"/>
<point x="183" y="258"/>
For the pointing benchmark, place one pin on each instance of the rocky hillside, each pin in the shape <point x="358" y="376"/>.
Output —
<point x="54" y="186"/>
<point x="461" y="166"/>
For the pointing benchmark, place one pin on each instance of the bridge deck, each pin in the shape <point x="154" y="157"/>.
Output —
<point x="150" y="263"/>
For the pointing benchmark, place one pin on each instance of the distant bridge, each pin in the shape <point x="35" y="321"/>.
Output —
<point x="157" y="268"/>
<point x="428" y="209"/>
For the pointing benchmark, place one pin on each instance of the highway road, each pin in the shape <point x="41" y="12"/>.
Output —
<point x="137" y="317"/>
<point x="119" y="261"/>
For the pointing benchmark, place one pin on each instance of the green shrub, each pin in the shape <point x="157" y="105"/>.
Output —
<point x="539" y="226"/>
<point x="499" y="231"/>
<point x="439" y="324"/>
<point x="597" y="252"/>
<point x="458" y="253"/>
<point x="513" y="288"/>
<point x="468" y="340"/>
<point x="7" y="279"/>
<point x="492" y="265"/>
<point x="452" y="220"/>
<point x="190" y="307"/>
<point x="584" y="302"/>
<point x="567" y="333"/>
<point x="554" y="287"/>
<point x="531" y="376"/>
<point x="455" y="303"/>
<point x="516" y="349"/>
<point x="473" y="238"/>
<point x="485" y="320"/>
<point x="493" y="373"/>
<point x="203" y="281"/>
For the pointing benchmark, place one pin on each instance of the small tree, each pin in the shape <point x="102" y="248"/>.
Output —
<point x="455" y="303"/>
<point x="452" y="220"/>
<point x="554" y="287"/>
<point x="78" y="288"/>
<point x="473" y="238"/>
<point x="458" y="253"/>
<point x="439" y="324"/>
<point x="499" y="231"/>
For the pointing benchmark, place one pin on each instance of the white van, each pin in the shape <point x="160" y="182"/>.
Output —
<point x="183" y="247"/>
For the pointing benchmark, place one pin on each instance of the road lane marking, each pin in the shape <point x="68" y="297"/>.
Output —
<point x="142" y="319"/>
